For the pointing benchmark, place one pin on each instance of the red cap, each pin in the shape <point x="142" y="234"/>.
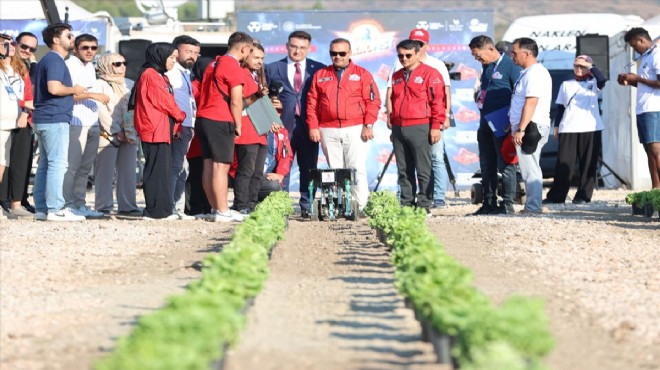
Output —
<point x="508" y="150"/>
<point x="420" y="35"/>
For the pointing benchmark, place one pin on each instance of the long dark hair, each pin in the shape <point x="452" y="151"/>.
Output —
<point x="156" y="56"/>
<point x="200" y="67"/>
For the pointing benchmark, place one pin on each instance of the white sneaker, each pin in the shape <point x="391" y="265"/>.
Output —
<point x="87" y="212"/>
<point x="40" y="216"/>
<point x="202" y="216"/>
<point x="228" y="216"/>
<point x="182" y="216"/>
<point x="64" y="214"/>
<point x="171" y="217"/>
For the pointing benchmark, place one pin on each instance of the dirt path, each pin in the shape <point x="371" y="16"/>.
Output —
<point x="68" y="290"/>
<point x="330" y="303"/>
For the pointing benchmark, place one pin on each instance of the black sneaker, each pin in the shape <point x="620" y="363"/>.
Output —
<point x="504" y="209"/>
<point x="304" y="213"/>
<point x="580" y="201"/>
<point x="485" y="209"/>
<point x="550" y="201"/>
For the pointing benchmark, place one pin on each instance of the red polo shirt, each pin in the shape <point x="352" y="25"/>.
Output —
<point x="212" y="103"/>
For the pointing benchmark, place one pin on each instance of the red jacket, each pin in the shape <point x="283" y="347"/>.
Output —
<point x="352" y="101"/>
<point x="154" y="105"/>
<point x="248" y="132"/>
<point x="420" y="100"/>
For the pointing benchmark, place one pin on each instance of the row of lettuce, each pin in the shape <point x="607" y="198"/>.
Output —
<point x="192" y="328"/>
<point x="513" y="336"/>
<point x="645" y="198"/>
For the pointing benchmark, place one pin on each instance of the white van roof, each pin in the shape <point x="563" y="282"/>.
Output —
<point x="555" y="34"/>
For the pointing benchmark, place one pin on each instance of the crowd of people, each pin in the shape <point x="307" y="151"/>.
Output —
<point x="190" y="118"/>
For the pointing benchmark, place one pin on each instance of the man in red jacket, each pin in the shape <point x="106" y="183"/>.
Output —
<point x="342" y="107"/>
<point x="418" y="113"/>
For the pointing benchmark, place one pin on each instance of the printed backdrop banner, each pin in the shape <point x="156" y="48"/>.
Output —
<point x="373" y="37"/>
<point x="98" y="28"/>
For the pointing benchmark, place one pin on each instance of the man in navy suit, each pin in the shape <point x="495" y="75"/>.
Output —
<point x="293" y="74"/>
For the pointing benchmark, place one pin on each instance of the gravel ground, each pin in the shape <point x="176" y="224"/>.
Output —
<point x="68" y="290"/>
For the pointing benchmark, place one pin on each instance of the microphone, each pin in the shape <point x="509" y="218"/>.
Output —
<point x="275" y="89"/>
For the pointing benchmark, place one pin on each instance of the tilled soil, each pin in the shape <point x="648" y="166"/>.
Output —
<point x="67" y="291"/>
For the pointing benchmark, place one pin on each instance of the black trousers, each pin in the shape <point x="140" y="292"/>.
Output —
<point x="267" y="187"/>
<point x="583" y="147"/>
<point x="17" y="176"/>
<point x="196" y="200"/>
<point x="156" y="179"/>
<point x="307" y="154"/>
<point x="490" y="162"/>
<point x="412" y="150"/>
<point x="250" y="169"/>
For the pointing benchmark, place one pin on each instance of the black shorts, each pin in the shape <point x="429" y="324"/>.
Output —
<point x="216" y="139"/>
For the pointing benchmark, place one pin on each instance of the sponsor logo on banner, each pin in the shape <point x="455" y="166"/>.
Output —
<point x="288" y="26"/>
<point x="422" y="25"/>
<point x="256" y="26"/>
<point x="455" y="25"/>
<point x="368" y="39"/>
<point x="477" y="26"/>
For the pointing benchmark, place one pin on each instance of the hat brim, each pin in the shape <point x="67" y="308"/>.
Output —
<point x="582" y="62"/>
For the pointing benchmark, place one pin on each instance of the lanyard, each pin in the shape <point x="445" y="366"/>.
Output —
<point x="520" y="78"/>
<point x="647" y="52"/>
<point x="184" y="74"/>
<point x="490" y="79"/>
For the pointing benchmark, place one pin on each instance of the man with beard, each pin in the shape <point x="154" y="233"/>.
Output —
<point x="53" y="104"/>
<point x="179" y="77"/>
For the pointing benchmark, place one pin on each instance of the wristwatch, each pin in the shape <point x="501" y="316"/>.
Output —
<point x="369" y="126"/>
<point x="521" y="130"/>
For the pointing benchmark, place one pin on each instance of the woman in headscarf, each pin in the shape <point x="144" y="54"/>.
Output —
<point x="578" y="128"/>
<point x="118" y="145"/>
<point x="157" y="118"/>
<point x="196" y="202"/>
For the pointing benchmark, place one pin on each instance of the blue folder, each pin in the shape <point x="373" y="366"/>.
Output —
<point x="498" y="121"/>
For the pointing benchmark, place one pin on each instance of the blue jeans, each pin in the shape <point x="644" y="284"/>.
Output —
<point x="440" y="175"/>
<point x="530" y="169"/>
<point x="53" y="161"/>
<point x="179" y="175"/>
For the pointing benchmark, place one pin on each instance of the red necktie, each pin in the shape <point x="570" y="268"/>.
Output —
<point x="297" y="85"/>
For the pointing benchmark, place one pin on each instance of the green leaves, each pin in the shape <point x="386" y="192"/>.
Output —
<point x="642" y="198"/>
<point x="513" y="336"/>
<point x="192" y="328"/>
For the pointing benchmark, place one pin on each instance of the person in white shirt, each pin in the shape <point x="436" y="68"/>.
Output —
<point x="530" y="108"/>
<point x="578" y="128"/>
<point x="647" y="81"/>
<point x="84" y="132"/>
<point x="440" y="175"/>
<point x="179" y="77"/>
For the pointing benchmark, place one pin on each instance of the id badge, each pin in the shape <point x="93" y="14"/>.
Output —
<point x="481" y="98"/>
<point x="11" y="93"/>
<point x="193" y="107"/>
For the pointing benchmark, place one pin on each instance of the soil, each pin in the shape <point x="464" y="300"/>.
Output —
<point x="67" y="291"/>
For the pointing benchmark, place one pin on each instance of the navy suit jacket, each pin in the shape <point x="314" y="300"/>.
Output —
<point x="277" y="71"/>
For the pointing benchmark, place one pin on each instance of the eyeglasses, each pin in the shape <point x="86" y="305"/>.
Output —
<point x="87" y="47"/>
<point x="404" y="56"/>
<point x="28" y="47"/>
<point x="119" y="64"/>
<point x="338" y="53"/>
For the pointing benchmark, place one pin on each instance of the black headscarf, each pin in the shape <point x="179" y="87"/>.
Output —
<point x="156" y="56"/>
<point x="200" y="67"/>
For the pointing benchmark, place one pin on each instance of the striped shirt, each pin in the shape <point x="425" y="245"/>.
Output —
<point x="183" y="95"/>
<point x="85" y="112"/>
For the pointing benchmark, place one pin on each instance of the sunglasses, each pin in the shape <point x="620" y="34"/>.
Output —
<point x="28" y="47"/>
<point x="119" y="64"/>
<point x="86" y="47"/>
<point x="404" y="56"/>
<point x="338" y="53"/>
<point x="12" y="43"/>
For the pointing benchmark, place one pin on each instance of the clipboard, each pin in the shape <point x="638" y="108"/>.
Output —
<point x="263" y="115"/>
<point x="498" y="121"/>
